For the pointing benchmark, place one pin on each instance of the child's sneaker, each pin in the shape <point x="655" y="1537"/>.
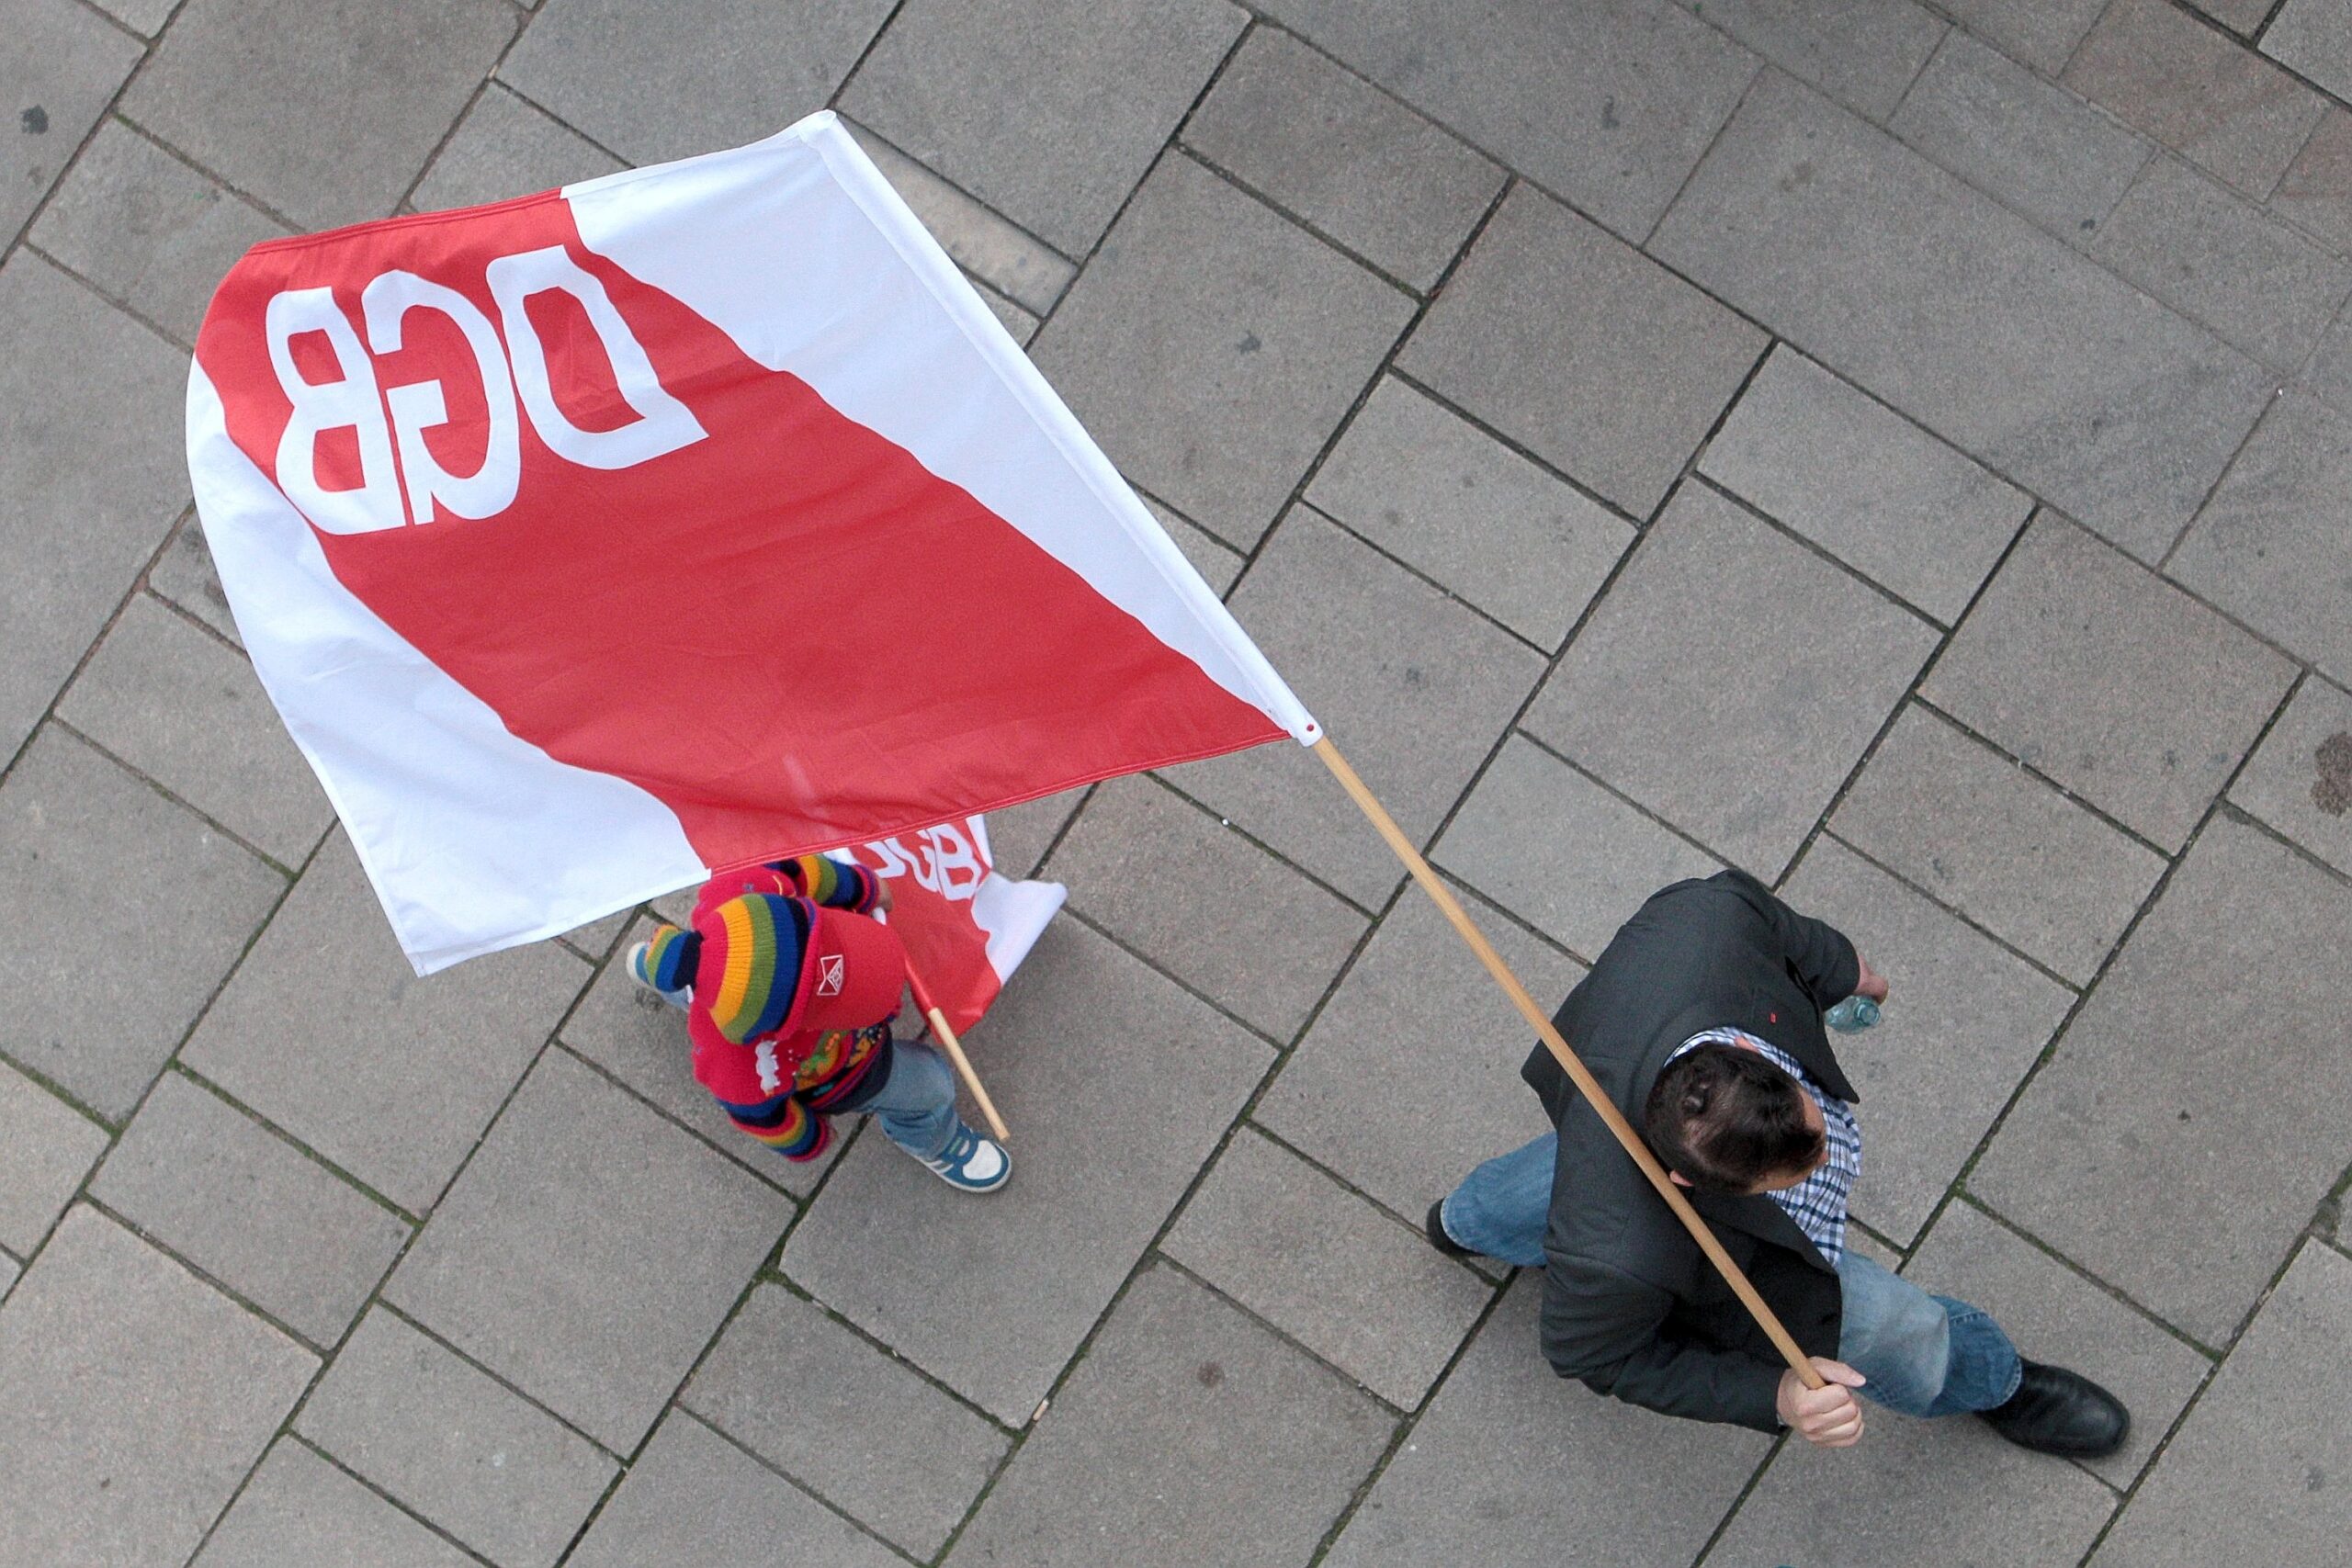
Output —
<point x="972" y="1164"/>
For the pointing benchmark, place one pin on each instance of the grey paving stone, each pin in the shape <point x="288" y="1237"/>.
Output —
<point x="2256" y="1472"/>
<point x="326" y="110"/>
<point x="1188" y="1436"/>
<point x="596" y="938"/>
<point x="694" y="1497"/>
<point x="1926" y="294"/>
<point x="208" y="1181"/>
<point x="641" y="1040"/>
<point x="91" y="526"/>
<point x="148" y="230"/>
<point x="655" y="82"/>
<point x="1411" y="1077"/>
<point x="1987" y="1502"/>
<point x="1736" y="728"/>
<point x="1600" y="361"/>
<point x="2209" y="254"/>
<point x="1355" y="1286"/>
<point x="133" y="1398"/>
<point x="1611" y="113"/>
<point x="1410" y="686"/>
<point x="59" y="67"/>
<point x="2301" y="780"/>
<point x="1870" y="1246"/>
<point x="1019" y="835"/>
<point x="46" y="1147"/>
<point x="1344" y="156"/>
<point x="1441" y="494"/>
<point x="1963" y="1023"/>
<point x="2030" y="143"/>
<point x="496" y="1471"/>
<point x="1881" y="494"/>
<point x="184" y="575"/>
<point x="2042" y="33"/>
<point x="590" y="1252"/>
<point x="507" y="147"/>
<point x="124" y="912"/>
<point x="2222" y="107"/>
<point x="1561" y="853"/>
<point x="1049" y="110"/>
<point x="1861" y="52"/>
<point x="1221" y="914"/>
<point x="1218" y="563"/>
<point x="1510" y="1466"/>
<point x="2000" y="845"/>
<point x="2316" y="190"/>
<point x="2270" y="548"/>
<point x="1015" y="320"/>
<point x="846" y="1420"/>
<point x="2110" y="680"/>
<point x="9" y="1270"/>
<point x="1212" y="347"/>
<point x="328" y="1032"/>
<point x="2242" y="17"/>
<point x="2307" y="36"/>
<point x="2328" y="376"/>
<point x="187" y="712"/>
<point x="299" y="1509"/>
<point x="1116" y="1086"/>
<point x="143" y="16"/>
<point x="2055" y="1314"/>
<point x="2193" y="1115"/>
<point x="986" y="244"/>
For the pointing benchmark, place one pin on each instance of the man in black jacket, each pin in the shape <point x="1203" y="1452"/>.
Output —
<point x="1702" y="1021"/>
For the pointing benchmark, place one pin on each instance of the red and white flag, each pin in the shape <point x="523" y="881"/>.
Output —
<point x="693" y="515"/>
<point x="965" y="926"/>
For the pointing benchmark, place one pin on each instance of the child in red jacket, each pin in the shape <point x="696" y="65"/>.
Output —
<point x="789" y="988"/>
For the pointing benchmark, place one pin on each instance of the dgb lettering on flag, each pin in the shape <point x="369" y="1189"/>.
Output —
<point x="495" y="384"/>
<point x="548" y="526"/>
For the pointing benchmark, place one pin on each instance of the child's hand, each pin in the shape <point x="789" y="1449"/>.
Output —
<point x="881" y="896"/>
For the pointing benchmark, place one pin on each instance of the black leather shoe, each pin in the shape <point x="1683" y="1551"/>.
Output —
<point x="1435" y="1226"/>
<point x="2058" y="1412"/>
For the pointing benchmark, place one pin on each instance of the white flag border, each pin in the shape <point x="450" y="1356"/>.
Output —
<point x="865" y="183"/>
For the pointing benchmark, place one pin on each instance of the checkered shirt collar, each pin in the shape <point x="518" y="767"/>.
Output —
<point x="1818" y="1203"/>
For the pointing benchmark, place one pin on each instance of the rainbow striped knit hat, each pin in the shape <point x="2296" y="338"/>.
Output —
<point x="750" y="964"/>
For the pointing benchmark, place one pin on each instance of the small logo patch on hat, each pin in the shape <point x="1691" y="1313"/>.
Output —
<point x="829" y="975"/>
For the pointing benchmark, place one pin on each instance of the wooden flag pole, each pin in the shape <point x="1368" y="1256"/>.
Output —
<point x="955" y="1049"/>
<point x="1586" y="1085"/>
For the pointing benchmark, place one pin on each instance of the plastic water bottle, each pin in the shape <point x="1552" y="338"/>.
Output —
<point x="1853" y="1015"/>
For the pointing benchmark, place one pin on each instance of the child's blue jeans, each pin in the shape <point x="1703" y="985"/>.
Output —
<point x="1923" y="1355"/>
<point x="913" y="1102"/>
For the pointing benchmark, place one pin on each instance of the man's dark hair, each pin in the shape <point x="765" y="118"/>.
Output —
<point x="1727" y="1120"/>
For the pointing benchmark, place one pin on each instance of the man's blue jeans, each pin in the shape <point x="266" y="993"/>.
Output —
<point x="1923" y="1355"/>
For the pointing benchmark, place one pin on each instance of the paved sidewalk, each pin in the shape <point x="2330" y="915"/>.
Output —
<point x="1900" y="449"/>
